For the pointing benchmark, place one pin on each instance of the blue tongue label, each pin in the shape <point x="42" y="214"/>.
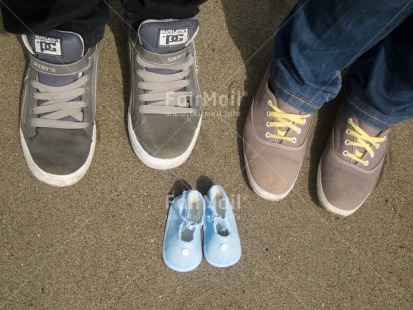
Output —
<point x="173" y="37"/>
<point x="48" y="45"/>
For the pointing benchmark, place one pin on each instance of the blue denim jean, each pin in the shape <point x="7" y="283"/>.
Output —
<point x="373" y="39"/>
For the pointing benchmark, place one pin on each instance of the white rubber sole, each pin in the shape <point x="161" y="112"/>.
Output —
<point x="212" y="263"/>
<point x="260" y="191"/>
<point x="324" y="202"/>
<point x="55" y="179"/>
<point x="174" y="268"/>
<point x="158" y="163"/>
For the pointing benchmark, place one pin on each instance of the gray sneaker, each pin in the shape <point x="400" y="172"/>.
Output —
<point x="164" y="114"/>
<point x="350" y="165"/>
<point x="57" y="127"/>
<point x="275" y="140"/>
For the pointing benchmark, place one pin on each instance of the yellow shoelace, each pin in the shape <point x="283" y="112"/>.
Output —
<point x="363" y="140"/>
<point x="284" y="120"/>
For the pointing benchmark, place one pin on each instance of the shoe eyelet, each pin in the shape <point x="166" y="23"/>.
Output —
<point x="269" y="102"/>
<point x="378" y="146"/>
<point x="267" y="135"/>
<point x="294" y="140"/>
<point x="367" y="163"/>
<point x="299" y="130"/>
<point x="305" y="121"/>
<point x="349" y="120"/>
<point x="346" y="142"/>
<point x="348" y="131"/>
<point x="372" y="156"/>
<point x="345" y="152"/>
<point x="268" y="113"/>
<point x="267" y="124"/>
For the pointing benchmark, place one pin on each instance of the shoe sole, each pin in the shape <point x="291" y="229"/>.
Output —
<point x="324" y="202"/>
<point x="179" y="269"/>
<point x="158" y="163"/>
<point x="55" y="179"/>
<point x="212" y="263"/>
<point x="260" y="191"/>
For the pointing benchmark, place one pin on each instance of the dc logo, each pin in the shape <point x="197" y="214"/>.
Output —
<point x="47" y="46"/>
<point x="174" y="38"/>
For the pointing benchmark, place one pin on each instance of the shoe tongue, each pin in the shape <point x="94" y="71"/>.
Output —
<point x="167" y="36"/>
<point x="57" y="47"/>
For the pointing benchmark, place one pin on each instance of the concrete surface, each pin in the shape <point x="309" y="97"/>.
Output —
<point x="97" y="245"/>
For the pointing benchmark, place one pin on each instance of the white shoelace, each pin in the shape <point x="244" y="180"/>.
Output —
<point x="58" y="106"/>
<point x="163" y="92"/>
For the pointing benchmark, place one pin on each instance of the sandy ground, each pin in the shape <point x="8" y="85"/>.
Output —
<point x="98" y="244"/>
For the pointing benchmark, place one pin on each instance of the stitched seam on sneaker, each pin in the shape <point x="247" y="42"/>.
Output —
<point x="354" y="166"/>
<point x="54" y="74"/>
<point x="69" y="73"/>
<point x="154" y="63"/>
<point x="151" y="62"/>
<point x="350" y="165"/>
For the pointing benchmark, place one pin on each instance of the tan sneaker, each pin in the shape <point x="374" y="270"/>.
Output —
<point x="350" y="165"/>
<point x="275" y="139"/>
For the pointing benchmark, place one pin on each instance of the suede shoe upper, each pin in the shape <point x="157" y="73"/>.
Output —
<point x="351" y="164"/>
<point x="273" y="155"/>
<point x="164" y="112"/>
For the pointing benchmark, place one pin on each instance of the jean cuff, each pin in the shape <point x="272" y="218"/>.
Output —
<point x="293" y="99"/>
<point x="363" y="113"/>
<point x="283" y="86"/>
<point x="91" y="39"/>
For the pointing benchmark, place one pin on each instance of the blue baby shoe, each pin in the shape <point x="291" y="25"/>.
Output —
<point x="222" y="246"/>
<point x="182" y="249"/>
